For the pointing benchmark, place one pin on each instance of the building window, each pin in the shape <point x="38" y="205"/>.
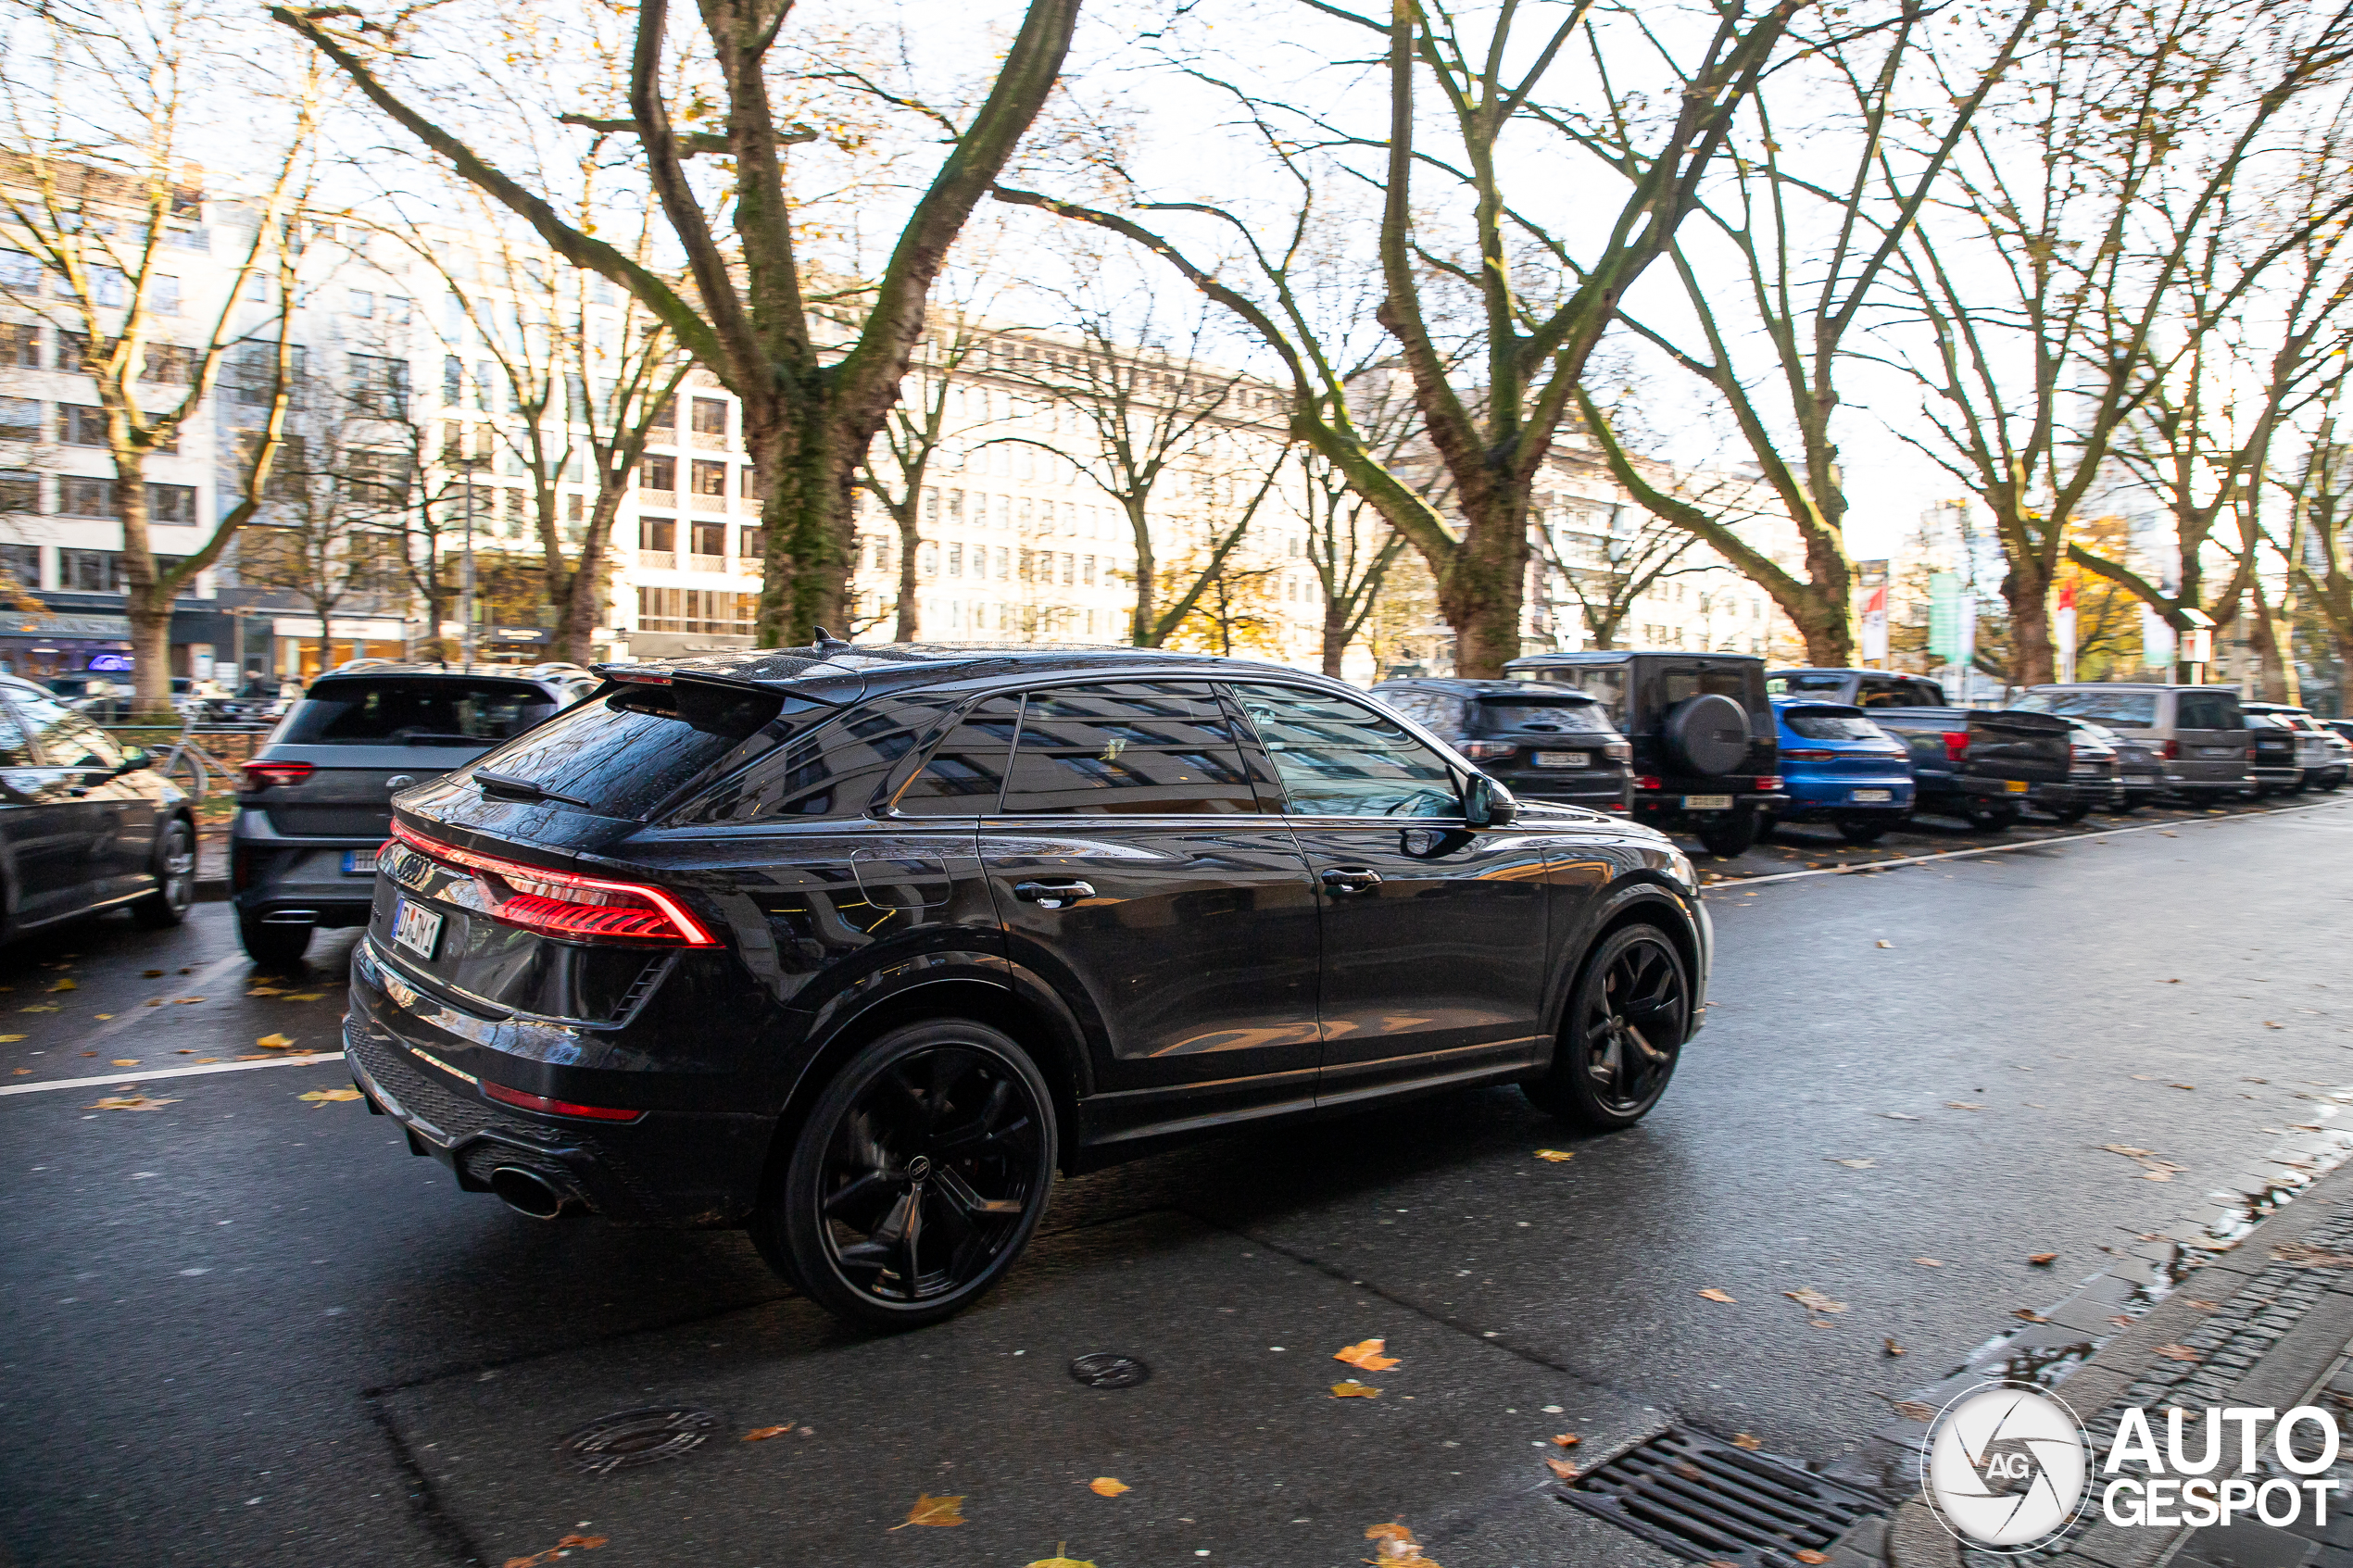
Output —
<point x="21" y="344"/>
<point x="81" y="425"/>
<point x="753" y="544"/>
<point x="710" y="538"/>
<point x="19" y="271"/>
<point x="20" y="418"/>
<point x="955" y="560"/>
<point x="253" y="373"/>
<point x="359" y="302"/>
<point x="453" y="379"/>
<point x="78" y="496"/>
<point x="657" y="534"/>
<point x="176" y="504"/>
<point x="90" y="572"/>
<point x="21" y="562"/>
<point x="19" y="492"/>
<point x="657" y="473"/>
<point x="695" y="609"/>
<point x="710" y="418"/>
<point x="709" y="478"/>
<point x="665" y="417"/>
<point x="380" y="385"/>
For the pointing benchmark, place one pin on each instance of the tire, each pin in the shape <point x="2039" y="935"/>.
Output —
<point x="1764" y="827"/>
<point x="175" y="872"/>
<point x="1727" y="839"/>
<point x="1861" y="832"/>
<point x="880" y="1133"/>
<point x="2072" y="814"/>
<point x="2331" y="782"/>
<point x="272" y="946"/>
<point x="1991" y="819"/>
<point x="1614" y="1058"/>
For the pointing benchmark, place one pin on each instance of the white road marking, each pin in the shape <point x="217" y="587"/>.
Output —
<point x="118" y="1080"/>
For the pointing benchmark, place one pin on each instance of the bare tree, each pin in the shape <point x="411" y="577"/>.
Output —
<point x="95" y="148"/>
<point x="815" y="389"/>
<point x="912" y="439"/>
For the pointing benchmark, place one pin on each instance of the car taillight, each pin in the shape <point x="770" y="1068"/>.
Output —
<point x="505" y="1095"/>
<point x="575" y="909"/>
<point x="261" y="775"/>
<point x="1645" y="782"/>
<point x="1618" y="751"/>
<point x="2170" y="751"/>
<point x="1956" y="745"/>
<point x="1488" y="750"/>
<point x="1773" y="780"/>
<point x="1807" y="756"/>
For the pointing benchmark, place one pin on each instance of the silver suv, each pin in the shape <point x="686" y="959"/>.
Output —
<point x="316" y="801"/>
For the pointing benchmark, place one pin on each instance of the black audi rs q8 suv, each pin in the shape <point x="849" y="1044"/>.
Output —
<point x="856" y="945"/>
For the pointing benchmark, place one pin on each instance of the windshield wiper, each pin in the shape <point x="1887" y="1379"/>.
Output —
<point x="501" y="783"/>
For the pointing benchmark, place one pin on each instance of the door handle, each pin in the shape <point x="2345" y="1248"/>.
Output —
<point x="1053" y="895"/>
<point x="1351" y="879"/>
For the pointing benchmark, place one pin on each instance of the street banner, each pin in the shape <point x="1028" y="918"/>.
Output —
<point x="2064" y="626"/>
<point x="1875" y="626"/>
<point x="1944" y="615"/>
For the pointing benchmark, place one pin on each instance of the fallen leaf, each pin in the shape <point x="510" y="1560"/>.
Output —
<point x="2029" y="1314"/>
<point x="124" y="1061"/>
<point x="1351" y="1390"/>
<point x="1394" y="1547"/>
<point x="2177" y="1353"/>
<point x="1561" y="1468"/>
<point x="2042" y="1260"/>
<point x="1886" y="943"/>
<point x="1058" y="1560"/>
<point x="1108" y="1486"/>
<point x="1366" y="1355"/>
<point x="1556" y="1155"/>
<point x="42" y="1007"/>
<point x="1808" y="1556"/>
<point x="103" y="1016"/>
<point x="2128" y="1150"/>
<point x="2304" y="1255"/>
<point x="761" y="1434"/>
<point x="21" y="1071"/>
<point x="1892" y="1348"/>
<point x="131" y="1102"/>
<point x="1715" y="1294"/>
<point x="2191" y="1087"/>
<point x="1912" y="1409"/>
<point x="151" y="973"/>
<point x="328" y="1096"/>
<point x="1963" y="1105"/>
<point x="929" y="1510"/>
<point x="1567" y="1439"/>
<point x="1743" y="1440"/>
<point x="2269" y="1024"/>
<point x="303" y="995"/>
<point x="206" y="1060"/>
<point x="1814" y="1300"/>
<point x="1856" y="1164"/>
<point x="273" y="1042"/>
<point x="64" y="984"/>
<point x="2157" y="1175"/>
<point x="12" y="1040"/>
<point x="557" y="1552"/>
<point x="184" y="1001"/>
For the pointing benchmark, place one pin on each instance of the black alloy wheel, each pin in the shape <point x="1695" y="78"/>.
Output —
<point x="917" y="1178"/>
<point x="1625" y="1033"/>
<point x="175" y="872"/>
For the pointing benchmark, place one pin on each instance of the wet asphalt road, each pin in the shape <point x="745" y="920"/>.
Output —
<point x="245" y="1328"/>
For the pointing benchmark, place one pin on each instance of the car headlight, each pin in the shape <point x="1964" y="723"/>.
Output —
<point x="1679" y="867"/>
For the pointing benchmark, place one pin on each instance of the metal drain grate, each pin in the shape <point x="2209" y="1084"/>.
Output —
<point x="1712" y="1502"/>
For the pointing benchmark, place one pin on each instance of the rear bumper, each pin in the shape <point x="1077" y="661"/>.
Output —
<point x="274" y="875"/>
<point x="1825" y="799"/>
<point x="410" y="1055"/>
<point x="1668" y="805"/>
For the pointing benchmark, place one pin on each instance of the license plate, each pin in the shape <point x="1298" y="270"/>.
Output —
<point x="359" y="862"/>
<point x="1563" y="759"/>
<point x="2217" y="751"/>
<point x="1872" y="796"/>
<point x="2140" y="778"/>
<point x="2016" y="786"/>
<point x="415" y="928"/>
<point x="1707" y="803"/>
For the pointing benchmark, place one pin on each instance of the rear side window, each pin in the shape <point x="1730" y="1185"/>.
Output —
<point x="14" y="751"/>
<point x="1541" y="714"/>
<point x="2202" y="710"/>
<point x="628" y="751"/>
<point x="833" y="770"/>
<point x="2121" y="710"/>
<point x="966" y="771"/>
<point x="1829" y="723"/>
<point x="1142" y="747"/>
<point x="415" y="711"/>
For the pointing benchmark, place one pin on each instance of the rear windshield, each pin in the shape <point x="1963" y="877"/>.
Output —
<point x="1802" y="681"/>
<point x="624" y="753"/>
<point x="1534" y="712"/>
<point x="2121" y="710"/>
<point x="415" y="710"/>
<point x="1606" y="684"/>
<point x="1829" y="723"/>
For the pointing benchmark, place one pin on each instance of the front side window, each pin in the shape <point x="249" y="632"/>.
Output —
<point x="1338" y="758"/>
<point x="1138" y="747"/>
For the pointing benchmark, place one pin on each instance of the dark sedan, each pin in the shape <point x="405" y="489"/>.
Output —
<point x="855" y="946"/>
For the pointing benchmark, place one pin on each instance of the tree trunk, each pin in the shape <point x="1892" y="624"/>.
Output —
<point x="2026" y="588"/>
<point x="1479" y="589"/>
<point x="807" y="520"/>
<point x="2278" y="682"/>
<point x="1336" y="636"/>
<point x="1142" y="633"/>
<point x="150" y="651"/>
<point x="909" y="624"/>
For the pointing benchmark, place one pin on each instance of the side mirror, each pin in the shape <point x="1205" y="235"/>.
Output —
<point x="1487" y="803"/>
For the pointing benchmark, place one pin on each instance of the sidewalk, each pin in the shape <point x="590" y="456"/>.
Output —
<point x="2248" y="1301"/>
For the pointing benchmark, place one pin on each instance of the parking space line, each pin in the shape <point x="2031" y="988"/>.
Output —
<point x="113" y="1079"/>
<point x="1860" y="866"/>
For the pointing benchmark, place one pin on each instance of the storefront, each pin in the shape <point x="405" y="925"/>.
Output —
<point x="43" y="646"/>
<point x="295" y="649"/>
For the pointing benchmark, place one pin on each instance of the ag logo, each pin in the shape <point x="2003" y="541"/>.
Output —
<point x="2007" y="1468"/>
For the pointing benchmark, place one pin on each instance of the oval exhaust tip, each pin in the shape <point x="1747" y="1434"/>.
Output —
<point x="527" y="1192"/>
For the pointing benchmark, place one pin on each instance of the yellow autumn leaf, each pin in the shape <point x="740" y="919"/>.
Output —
<point x="1561" y="1468"/>
<point x="761" y="1434"/>
<point x="131" y="1102"/>
<point x="1743" y="1440"/>
<point x="12" y="1040"/>
<point x="1059" y="1560"/>
<point x="64" y="984"/>
<point x="124" y="1061"/>
<point x="929" y="1510"/>
<point x="273" y="1042"/>
<point x="328" y="1096"/>
<point x="1351" y="1390"/>
<point x="303" y="995"/>
<point x="1108" y="1486"/>
<point x="42" y="1007"/>
<point x="1557" y="1156"/>
<point x="561" y="1550"/>
<point x="1394" y="1547"/>
<point x="1368" y="1355"/>
<point x="1712" y="1294"/>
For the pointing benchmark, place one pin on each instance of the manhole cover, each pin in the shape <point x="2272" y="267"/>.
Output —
<point x="633" y="1438"/>
<point x="1105" y="1371"/>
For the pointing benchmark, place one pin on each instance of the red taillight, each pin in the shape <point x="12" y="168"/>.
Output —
<point x="1807" y="756"/>
<point x="1956" y="745"/>
<point x="2170" y="751"/>
<point x="1645" y="783"/>
<point x="578" y="909"/>
<point x="261" y="775"/>
<point x="505" y="1095"/>
<point x="1773" y="780"/>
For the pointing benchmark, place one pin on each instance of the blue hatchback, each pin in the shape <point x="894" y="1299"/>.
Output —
<point x="1839" y="766"/>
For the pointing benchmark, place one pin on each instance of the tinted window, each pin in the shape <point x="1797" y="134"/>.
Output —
<point x="1829" y="723"/>
<point x="1807" y="680"/>
<point x="415" y="711"/>
<point x="63" y="738"/>
<point x="14" y="752"/>
<point x="1606" y="684"/>
<point x="2202" y="711"/>
<point x="2123" y="710"/>
<point x="1154" y="747"/>
<point x="833" y="770"/>
<point x="1441" y="711"/>
<point x="1342" y="759"/>
<point x="1543" y="714"/>
<point x="626" y="752"/>
<point x="965" y="773"/>
<point x="1674" y="685"/>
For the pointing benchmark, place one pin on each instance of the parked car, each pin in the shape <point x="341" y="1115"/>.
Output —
<point x="2344" y="727"/>
<point x="86" y="822"/>
<point x="1838" y="767"/>
<point x="2273" y="756"/>
<point x="1702" y="730"/>
<point x="2094" y="775"/>
<point x="1862" y="688"/>
<point x="2322" y="755"/>
<point x="316" y="800"/>
<point x="1541" y="745"/>
<point x="1986" y="766"/>
<point x="855" y="946"/>
<point x="2204" y="750"/>
<point x="2137" y="761"/>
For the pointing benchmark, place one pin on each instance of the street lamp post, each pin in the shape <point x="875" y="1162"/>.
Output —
<point x="466" y="574"/>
